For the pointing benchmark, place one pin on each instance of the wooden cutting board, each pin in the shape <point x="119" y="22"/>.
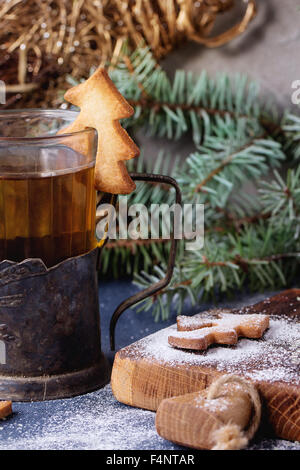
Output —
<point x="150" y="370"/>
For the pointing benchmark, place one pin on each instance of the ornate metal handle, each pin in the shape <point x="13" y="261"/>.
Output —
<point x="163" y="282"/>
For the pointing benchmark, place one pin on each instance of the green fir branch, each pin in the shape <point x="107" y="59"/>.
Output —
<point x="291" y="127"/>
<point x="260" y="257"/>
<point x="226" y="161"/>
<point x="170" y="108"/>
<point x="251" y="240"/>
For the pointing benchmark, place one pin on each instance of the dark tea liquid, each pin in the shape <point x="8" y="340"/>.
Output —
<point x="48" y="217"/>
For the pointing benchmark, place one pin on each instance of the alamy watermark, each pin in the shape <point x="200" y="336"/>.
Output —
<point x="2" y="352"/>
<point x="2" y="92"/>
<point x="295" y="97"/>
<point x="295" y="353"/>
<point x="159" y="221"/>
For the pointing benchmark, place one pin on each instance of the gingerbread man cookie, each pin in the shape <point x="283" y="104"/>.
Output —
<point x="198" y="333"/>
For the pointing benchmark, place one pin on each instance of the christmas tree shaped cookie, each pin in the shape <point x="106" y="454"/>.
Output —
<point x="101" y="107"/>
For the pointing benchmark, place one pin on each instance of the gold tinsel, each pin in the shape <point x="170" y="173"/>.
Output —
<point x="42" y="41"/>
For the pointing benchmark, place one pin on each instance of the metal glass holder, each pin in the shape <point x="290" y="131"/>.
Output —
<point x="50" y="329"/>
<point x="50" y="344"/>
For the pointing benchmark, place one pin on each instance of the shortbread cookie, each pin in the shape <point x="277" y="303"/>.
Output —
<point x="199" y="334"/>
<point x="101" y="107"/>
<point x="5" y="409"/>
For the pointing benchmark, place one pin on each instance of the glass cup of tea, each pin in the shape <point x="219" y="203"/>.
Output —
<point x="47" y="194"/>
<point x="50" y="326"/>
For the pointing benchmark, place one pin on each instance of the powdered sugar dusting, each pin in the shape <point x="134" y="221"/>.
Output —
<point x="224" y="319"/>
<point x="94" y="421"/>
<point x="202" y="332"/>
<point x="271" y="358"/>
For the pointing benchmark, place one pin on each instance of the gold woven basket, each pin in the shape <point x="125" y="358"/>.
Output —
<point x="42" y="41"/>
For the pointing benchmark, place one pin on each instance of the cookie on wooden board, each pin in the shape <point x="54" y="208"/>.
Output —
<point x="198" y="334"/>
<point x="150" y="370"/>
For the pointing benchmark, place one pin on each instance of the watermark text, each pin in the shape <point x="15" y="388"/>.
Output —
<point x="159" y="221"/>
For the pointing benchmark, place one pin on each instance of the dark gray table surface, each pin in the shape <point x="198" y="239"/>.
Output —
<point x="97" y="420"/>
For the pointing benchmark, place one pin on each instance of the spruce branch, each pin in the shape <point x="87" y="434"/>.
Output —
<point x="281" y="198"/>
<point x="291" y="128"/>
<point x="254" y="259"/>
<point x="251" y="240"/>
<point x="171" y="108"/>
<point x="225" y="161"/>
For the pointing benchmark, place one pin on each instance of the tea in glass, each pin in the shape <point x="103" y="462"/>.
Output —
<point x="47" y="199"/>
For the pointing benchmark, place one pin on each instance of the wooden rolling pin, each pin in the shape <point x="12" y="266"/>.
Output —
<point x="223" y="417"/>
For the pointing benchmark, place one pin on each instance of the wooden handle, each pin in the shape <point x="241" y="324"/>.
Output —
<point x="192" y="420"/>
